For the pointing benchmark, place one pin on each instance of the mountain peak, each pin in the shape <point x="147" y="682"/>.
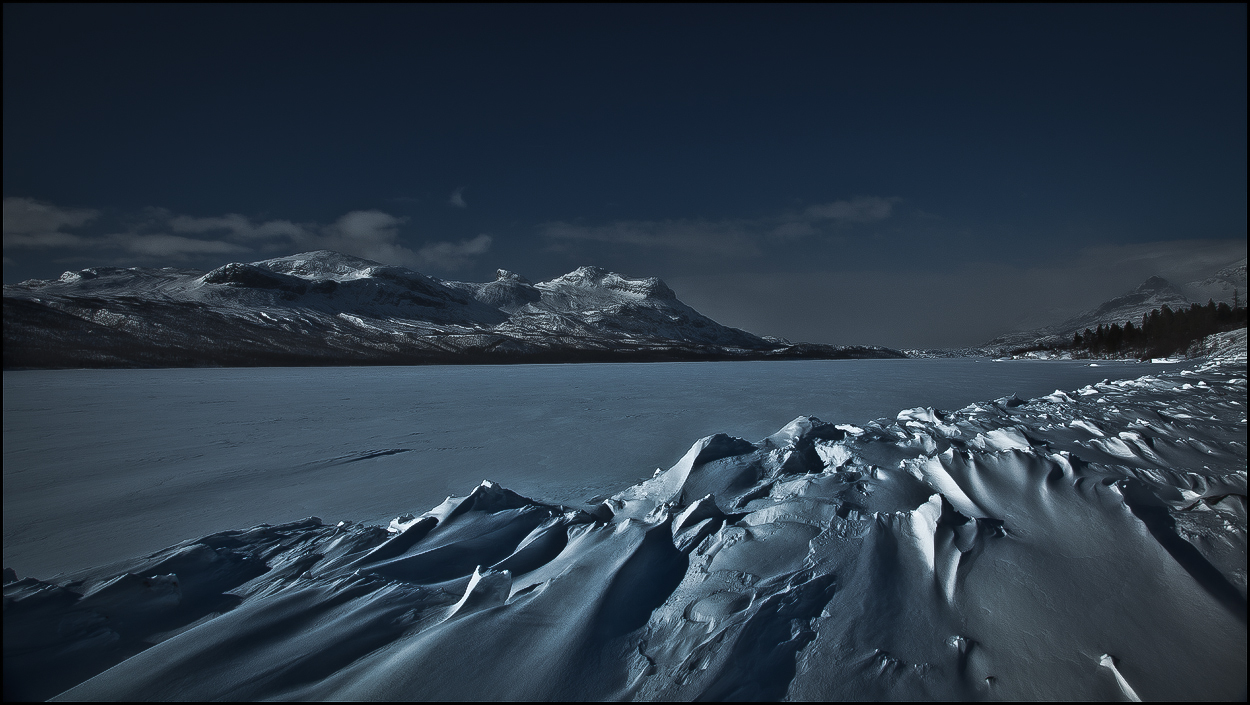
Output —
<point x="600" y="278"/>
<point x="503" y="275"/>
<point x="590" y="272"/>
<point x="1154" y="284"/>
<point x="319" y="264"/>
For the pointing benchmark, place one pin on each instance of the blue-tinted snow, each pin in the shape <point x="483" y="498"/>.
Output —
<point x="102" y="465"/>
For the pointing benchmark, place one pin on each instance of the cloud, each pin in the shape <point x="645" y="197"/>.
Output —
<point x="31" y="224"/>
<point x="865" y="209"/>
<point x="374" y="235"/>
<point x="457" y="198"/>
<point x="156" y="234"/>
<point x="726" y="238"/>
<point x="368" y="226"/>
<point x="177" y="247"/>
<point x="371" y="234"/>
<point x="792" y="230"/>
<point x="238" y="226"/>
<point x="449" y="255"/>
<point x="739" y="237"/>
<point x="45" y="240"/>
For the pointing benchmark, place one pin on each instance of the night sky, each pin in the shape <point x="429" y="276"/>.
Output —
<point x="896" y="175"/>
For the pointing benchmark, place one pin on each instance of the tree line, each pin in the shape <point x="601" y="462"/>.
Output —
<point x="1161" y="333"/>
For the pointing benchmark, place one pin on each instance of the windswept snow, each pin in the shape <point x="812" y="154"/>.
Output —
<point x="1074" y="546"/>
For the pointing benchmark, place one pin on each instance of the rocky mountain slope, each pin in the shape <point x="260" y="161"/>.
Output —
<point x="1154" y="293"/>
<point x="1224" y="285"/>
<point x="328" y="308"/>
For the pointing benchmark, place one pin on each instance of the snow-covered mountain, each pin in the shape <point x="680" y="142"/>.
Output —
<point x="1154" y="293"/>
<point x="1225" y="285"/>
<point x="328" y="308"/>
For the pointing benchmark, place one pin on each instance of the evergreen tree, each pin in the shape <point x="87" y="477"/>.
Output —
<point x="1115" y="335"/>
<point x="1162" y="332"/>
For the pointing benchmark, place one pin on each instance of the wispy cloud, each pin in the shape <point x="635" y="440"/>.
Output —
<point x="44" y="240"/>
<point x="728" y="238"/>
<point x="738" y="237"/>
<point x="792" y="230"/>
<point x="454" y="255"/>
<point x="364" y="229"/>
<point x="171" y="247"/>
<point x="371" y="234"/>
<point x="865" y="209"/>
<point x="33" y="224"/>
<point x="457" y="198"/>
<point x="157" y="234"/>
<point x="238" y="226"/>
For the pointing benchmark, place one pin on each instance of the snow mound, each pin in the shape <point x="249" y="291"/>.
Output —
<point x="1072" y="546"/>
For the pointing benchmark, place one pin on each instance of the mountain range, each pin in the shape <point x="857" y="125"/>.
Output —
<point x="327" y="308"/>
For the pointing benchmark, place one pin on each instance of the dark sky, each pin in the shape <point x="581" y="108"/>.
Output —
<point x="898" y="175"/>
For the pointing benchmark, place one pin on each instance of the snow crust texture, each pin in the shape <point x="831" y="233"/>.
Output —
<point x="1090" y="544"/>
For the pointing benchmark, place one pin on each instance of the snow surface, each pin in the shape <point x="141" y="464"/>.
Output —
<point x="1069" y="547"/>
<point x="152" y="457"/>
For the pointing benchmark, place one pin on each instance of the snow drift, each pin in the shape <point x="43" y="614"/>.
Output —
<point x="1088" y="544"/>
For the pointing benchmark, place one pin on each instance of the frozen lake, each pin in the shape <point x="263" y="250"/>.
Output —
<point x="101" y="465"/>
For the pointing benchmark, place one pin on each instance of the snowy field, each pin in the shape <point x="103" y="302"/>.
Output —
<point x="148" y="458"/>
<point x="1086" y="544"/>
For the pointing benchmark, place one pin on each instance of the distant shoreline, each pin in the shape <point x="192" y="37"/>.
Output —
<point x="187" y="360"/>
